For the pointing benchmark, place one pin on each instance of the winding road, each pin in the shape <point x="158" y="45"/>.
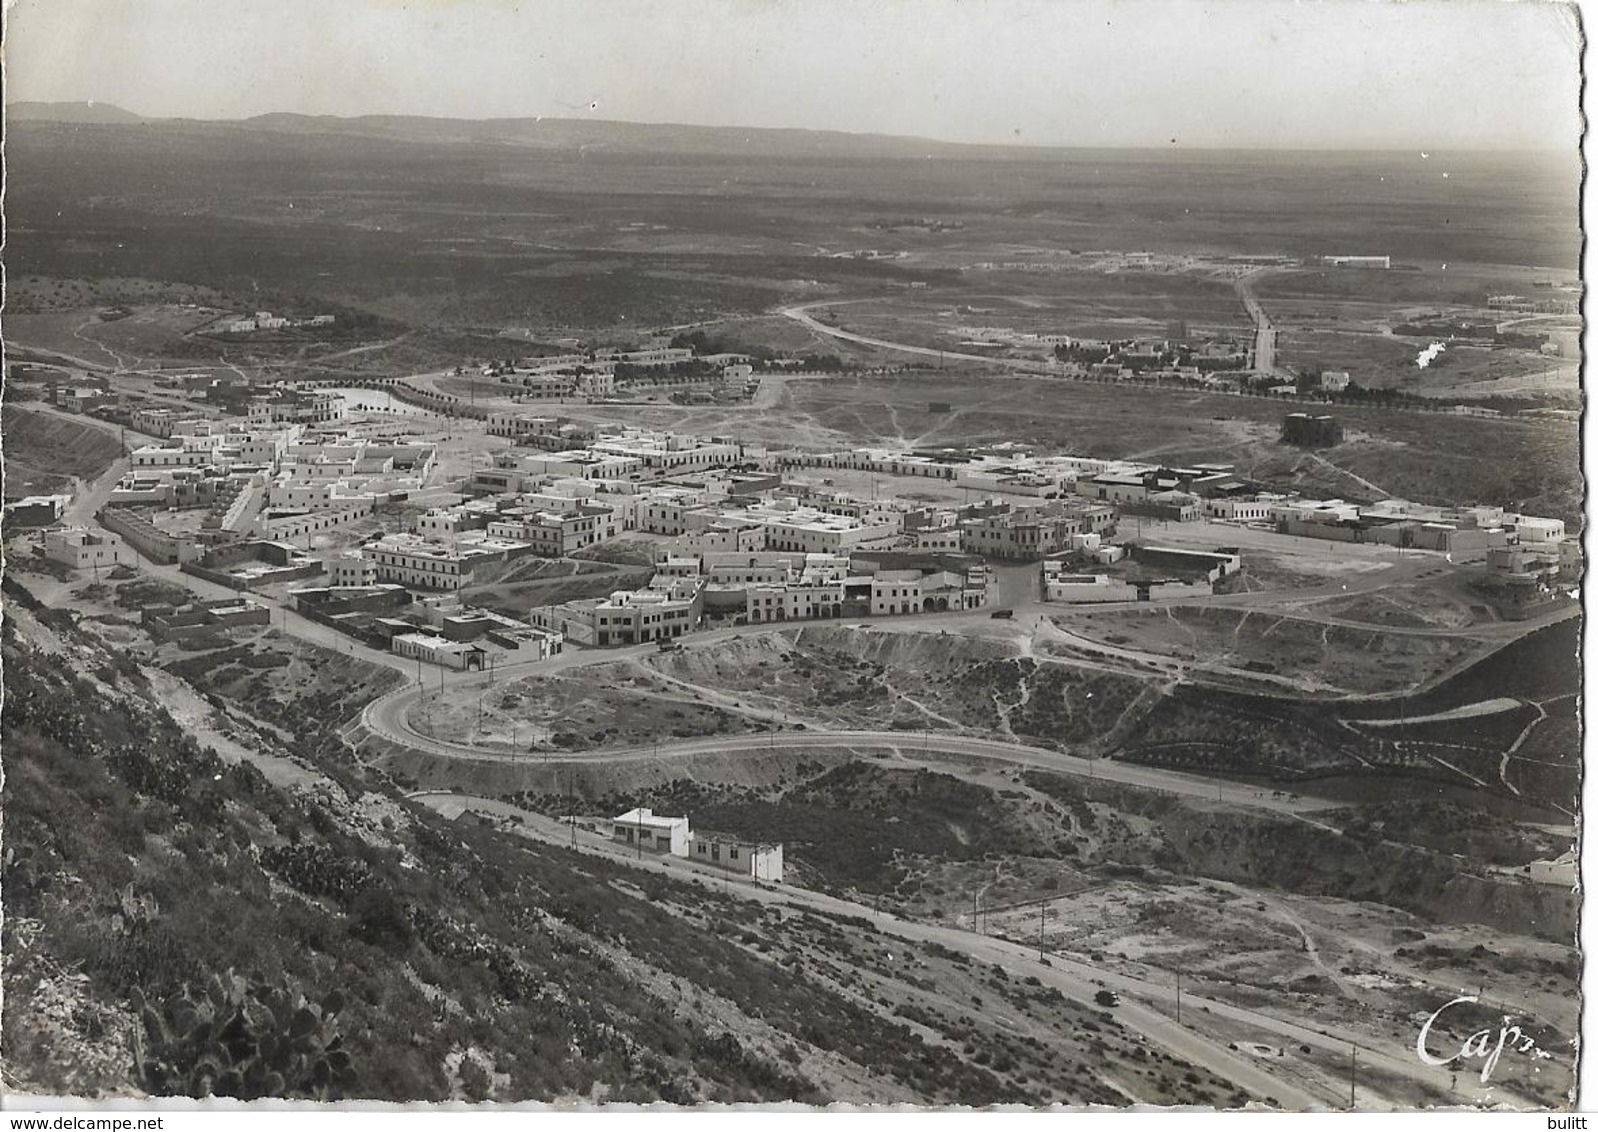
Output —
<point x="801" y="315"/>
<point x="387" y="718"/>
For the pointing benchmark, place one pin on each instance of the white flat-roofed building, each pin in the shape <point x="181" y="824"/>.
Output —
<point x="284" y="493"/>
<point x="1237" y="509"/>
<point x="351" y="570"/>
<point x="432" y="564"/>
<point x="1020" y="533"/>
<point x="556" y="534"/>
<point x="665" y="454"/>
<point x="162" y="422"/>
<point x="583" y="464"/>
<point x="1314" y="510"/>
<point x="644" y="830"/>
<point x="462" y="656"/>
<point x="314" y="407"/>
<point x="667" y="510"/>
<point x="946" y="538"/>
<point x="172" y="456"/>
<point x="724" y="536"/>
<point x="758" y="860"/>
<point x="662" y="612"/>
<point x="648" y="356"/>
<point x="84" y="549"/>
<point x="803" y="599"/>
<point x="514" y="425"/>
<point x="896" y="591"/>
<point x="1531" y="529"/>
<point x="1060" y="585"/>
<point x="807" y="530"/>
<point x="767" y="566"/>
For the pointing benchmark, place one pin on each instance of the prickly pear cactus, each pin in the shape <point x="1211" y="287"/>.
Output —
<point x="243" y="1039"/>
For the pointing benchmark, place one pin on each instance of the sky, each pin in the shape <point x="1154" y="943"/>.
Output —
<point x="1334" y="74"/>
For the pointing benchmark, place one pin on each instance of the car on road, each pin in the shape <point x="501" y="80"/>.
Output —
<point x="1002" y="614"/>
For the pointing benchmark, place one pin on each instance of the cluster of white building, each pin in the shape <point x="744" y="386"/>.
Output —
<point x="1168" y="574"/>
<point x="262" y="476"/>
<point x="266" y="320"/>
<point x="645" y="831"/>
<point x="764" y="587"/>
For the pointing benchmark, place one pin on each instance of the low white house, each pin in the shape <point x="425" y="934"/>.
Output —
<point x="758" y="860"/>
<point x="1086" y="588"/>
<point x="642" y="829"/>
<point x="463" y="656"/>
<point x="82" y="549"/>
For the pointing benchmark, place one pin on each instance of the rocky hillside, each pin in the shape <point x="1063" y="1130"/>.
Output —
<point x="175" y="923"/>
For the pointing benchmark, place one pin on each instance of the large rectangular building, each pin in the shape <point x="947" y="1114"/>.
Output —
<point x="556" y="534"/>
<point x="430" y="564"/>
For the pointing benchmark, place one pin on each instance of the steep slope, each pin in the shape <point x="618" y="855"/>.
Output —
<point x="174" y="923"/>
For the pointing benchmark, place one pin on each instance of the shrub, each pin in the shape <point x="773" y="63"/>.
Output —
<point x="242" y="1039"/>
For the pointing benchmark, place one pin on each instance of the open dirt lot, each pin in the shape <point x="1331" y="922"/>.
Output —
<point x="1442" y="603"/>
<point x="608" y="705"/>
<point x="1318" y="961"/>
<point x="1322" y="659"/>
<point x="44" y="452"/>
<point x="1421" y="456"/>
<point x="1378" y="361"/>
<point x="285" y="681"/>
<point x="828" y="678"/>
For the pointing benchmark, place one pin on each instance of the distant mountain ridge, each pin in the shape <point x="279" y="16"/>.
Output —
<point x="543" y="133"/>
<point x="638" y="138"/>
<point x="87" y="113"/>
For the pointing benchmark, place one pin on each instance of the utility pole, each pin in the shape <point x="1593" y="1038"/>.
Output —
<point x="1353" y="1071"/>
<point x="1043" y="911"/>
<point x="1179" y="996"/>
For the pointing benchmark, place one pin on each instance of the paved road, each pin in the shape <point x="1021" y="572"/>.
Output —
<point x="388" y="719"/>
<point x="800" y="314"/>
<point x="1148" y="1015"/>
<point x="89" y="497"/>
<point x="1264" y="331"/>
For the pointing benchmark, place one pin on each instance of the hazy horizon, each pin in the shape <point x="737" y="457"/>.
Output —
<point x="1572" y="150"/>
<point x="1339" y="75"/>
